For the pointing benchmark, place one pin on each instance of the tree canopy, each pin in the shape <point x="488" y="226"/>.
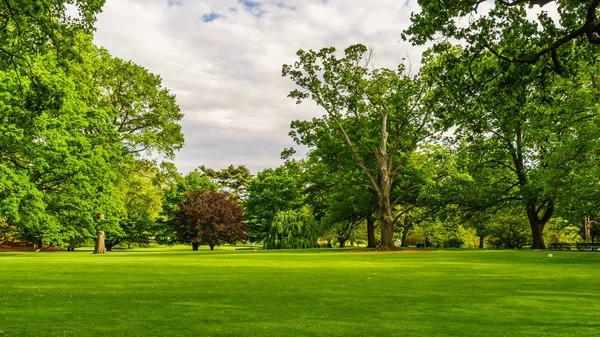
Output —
<point x="518" y="31"/>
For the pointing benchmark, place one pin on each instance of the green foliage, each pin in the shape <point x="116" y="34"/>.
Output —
<point x="173" y="195"/>
<point x="144" y="113"/>
<point x="560" y="232"/>
<point x="32" y="28"/>
<point x="272" y="191"/>
<point x="65" y="149"/>
<point x="511" y="30"/>
<point x="235" y="180"/>
<point x="443" y="235"/>
<point x="292" y="230"/>
<point x="510" y="230"/>
<point x="524" y="134"/>
<point x="373" y="120"/>
<point x="142" y="207"/>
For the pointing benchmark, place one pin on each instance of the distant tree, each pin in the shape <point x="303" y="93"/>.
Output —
<point x="509" y="230"/>
<point x="209" y="217"/>
<point x="234" y="180"/>
<point x="142" y="207"/>
<point x="273" y="191"/>
<point x="174" y="194"/>
<point x="292" y="230"/>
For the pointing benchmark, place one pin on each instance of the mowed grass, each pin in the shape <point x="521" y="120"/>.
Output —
<point x="300" y="293"/>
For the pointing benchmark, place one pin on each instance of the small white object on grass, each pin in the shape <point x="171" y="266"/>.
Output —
<point x="549" y="255"/>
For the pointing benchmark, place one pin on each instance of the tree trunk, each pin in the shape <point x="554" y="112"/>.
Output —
<point x="586" y="229"/>
<point x="537" y="236"/>
<point x="342" y="241"/>
<point x="371" y="232"/>
<point x="195" y="246"/>
<point x="212" y="246"/>
<point x="100" y="246"/>
<point x="537" y="224"/>
<point x="481" y="242"/>
<point x="404" y="237"/>
<point x="386" y="221"/>
<point x="405" y="228"/>
<point x="109" y="248"/>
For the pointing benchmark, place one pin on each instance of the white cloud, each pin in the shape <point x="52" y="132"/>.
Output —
<point x="226" y="72"/>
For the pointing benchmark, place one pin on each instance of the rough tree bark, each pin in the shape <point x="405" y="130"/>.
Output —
<point x="405" y="228"/>
<point x="537" y="223"/>
<point x="386" y="219"/>
<point x="100" y="247"/>
<point x="371" y="232"/>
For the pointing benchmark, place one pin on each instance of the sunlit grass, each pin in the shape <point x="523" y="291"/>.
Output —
<point x="147" y="292"/>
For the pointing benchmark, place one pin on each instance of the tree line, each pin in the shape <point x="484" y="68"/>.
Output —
<point x="493" y="141"/>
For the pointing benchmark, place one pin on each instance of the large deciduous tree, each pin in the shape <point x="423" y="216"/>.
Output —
<point x="377" y="114"/>
<point x="65" y="147"/>
<point x="539" y="131"/>
<point x="514" y="30"/>
<point x="209" y="217"/>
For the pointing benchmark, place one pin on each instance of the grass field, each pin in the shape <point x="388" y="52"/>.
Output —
<point x="300" y="293"/>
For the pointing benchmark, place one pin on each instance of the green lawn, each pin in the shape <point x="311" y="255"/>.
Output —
<point x="300" y="293"/>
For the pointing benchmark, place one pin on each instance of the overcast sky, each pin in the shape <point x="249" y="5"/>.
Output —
<point x="223" y="58"/>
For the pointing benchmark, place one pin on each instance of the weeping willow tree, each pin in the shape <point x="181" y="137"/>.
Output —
<point x="292" y="230"/>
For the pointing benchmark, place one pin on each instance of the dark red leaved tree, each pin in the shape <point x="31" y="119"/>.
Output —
<point x="209" y="217"/>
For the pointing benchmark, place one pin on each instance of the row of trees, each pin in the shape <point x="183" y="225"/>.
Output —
<point x="478" y="135"/>
<point x="489" y="135"/>
<point x="519" y="100"/>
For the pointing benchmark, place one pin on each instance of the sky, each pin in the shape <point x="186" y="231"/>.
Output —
<point x="223" y="59"/>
